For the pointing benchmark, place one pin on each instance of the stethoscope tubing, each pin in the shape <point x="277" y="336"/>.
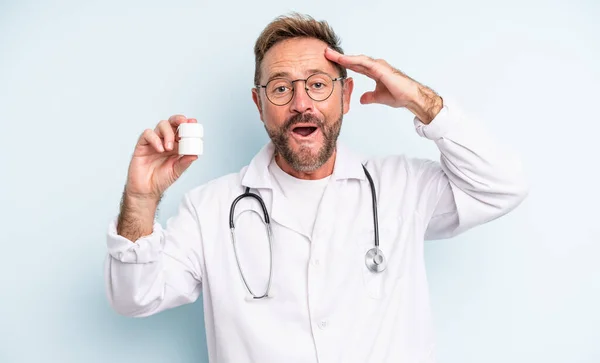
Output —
<point x="374" y="258"/>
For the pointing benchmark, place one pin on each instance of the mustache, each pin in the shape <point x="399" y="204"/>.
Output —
<point x="302" y="118"/>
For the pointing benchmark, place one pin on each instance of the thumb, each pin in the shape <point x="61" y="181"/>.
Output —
<point x="183" y="163"/>
<point x="368" y="97"/>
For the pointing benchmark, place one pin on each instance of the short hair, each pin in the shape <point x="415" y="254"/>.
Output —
<point x="292" y="26"/>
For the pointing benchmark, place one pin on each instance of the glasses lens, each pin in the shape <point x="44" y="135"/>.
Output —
<point x="279" y="91"/>
<point x="319" y="86"/>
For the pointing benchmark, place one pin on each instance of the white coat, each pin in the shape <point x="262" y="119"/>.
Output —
<point x="327" y="306"/>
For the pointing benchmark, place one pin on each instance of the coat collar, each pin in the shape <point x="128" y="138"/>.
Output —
<point x="347" y="166"/>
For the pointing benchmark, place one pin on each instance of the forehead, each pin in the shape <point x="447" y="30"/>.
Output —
<point x="296" y="58"/>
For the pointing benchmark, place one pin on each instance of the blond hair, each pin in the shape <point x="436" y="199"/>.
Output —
<point x="291" y="26"/>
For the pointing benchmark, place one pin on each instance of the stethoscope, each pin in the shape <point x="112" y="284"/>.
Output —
<point x="374" y="258"/>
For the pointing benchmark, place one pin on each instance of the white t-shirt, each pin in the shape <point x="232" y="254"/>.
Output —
<point x="305" y="194"/>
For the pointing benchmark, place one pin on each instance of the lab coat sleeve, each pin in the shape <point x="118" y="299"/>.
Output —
<point x="157" y="272"/>
<point x="476" y="181"/>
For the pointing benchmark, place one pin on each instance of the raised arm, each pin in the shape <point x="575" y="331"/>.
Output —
<point x="149" y="269"/>
<point x="476" y="180"/>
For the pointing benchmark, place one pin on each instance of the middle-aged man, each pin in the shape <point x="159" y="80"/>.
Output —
<point x="342" y="278"/>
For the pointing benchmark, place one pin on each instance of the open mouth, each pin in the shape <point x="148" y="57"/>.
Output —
<point x="304" y="130"/>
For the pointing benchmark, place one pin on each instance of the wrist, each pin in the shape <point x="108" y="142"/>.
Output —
<point x="426" y="104"/>
<point x="136" y="217"/>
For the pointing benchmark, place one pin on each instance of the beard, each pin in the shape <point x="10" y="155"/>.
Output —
<point x="305" y="159"/>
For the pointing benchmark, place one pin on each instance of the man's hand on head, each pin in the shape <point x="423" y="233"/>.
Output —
<point x="393" y="88"/>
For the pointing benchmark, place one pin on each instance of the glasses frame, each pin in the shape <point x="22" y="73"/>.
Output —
<point x="333" y="80"/>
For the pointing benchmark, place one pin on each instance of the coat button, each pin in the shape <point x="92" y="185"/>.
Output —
<point x="323" y="324"/>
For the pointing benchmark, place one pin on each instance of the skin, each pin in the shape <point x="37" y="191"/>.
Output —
<point x="298" y="58"/>
<point x="156" y="165"/>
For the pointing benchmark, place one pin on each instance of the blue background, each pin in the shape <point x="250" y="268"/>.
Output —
<point x="79" y="81"/>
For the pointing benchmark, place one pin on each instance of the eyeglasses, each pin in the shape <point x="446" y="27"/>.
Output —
<point x="318" y="86"/>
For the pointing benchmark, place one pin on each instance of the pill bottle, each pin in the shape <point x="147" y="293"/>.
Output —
<point x="190" y="138"/>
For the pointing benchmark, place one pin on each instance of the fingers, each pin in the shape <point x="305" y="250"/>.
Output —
<point x="176" y="120"/>
<point x="149" y="137"/>
<point x="358" y="63"/>
<point x="163" y="137"/>
<point x="332" y="55"/>
<point x="183" y="163"/>
<point x="165" y="131"/>
<point x="367" y="98"/>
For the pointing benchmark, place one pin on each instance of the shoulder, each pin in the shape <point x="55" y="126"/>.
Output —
<point x="407" y="183"/>
<point x="402" y="166"/>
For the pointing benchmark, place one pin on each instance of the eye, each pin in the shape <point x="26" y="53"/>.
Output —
<point x="318" y="83"/>
<point x="278" y="86"/>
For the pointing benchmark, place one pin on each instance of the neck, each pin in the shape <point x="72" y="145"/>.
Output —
<point x="324" y="171"/>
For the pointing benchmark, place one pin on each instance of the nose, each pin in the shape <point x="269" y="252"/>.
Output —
<point x="301" y="102"/>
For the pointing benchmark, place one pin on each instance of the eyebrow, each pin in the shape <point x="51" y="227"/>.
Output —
<point x="287" y="75"/>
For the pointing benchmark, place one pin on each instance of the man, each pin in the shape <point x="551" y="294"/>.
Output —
<point x="321" y="297"/>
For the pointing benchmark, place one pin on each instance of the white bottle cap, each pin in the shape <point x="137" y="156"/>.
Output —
<point x="191" y="129"/>
<point x="190" y="142"/>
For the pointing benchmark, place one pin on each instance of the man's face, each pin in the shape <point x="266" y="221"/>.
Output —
<point x="304" y="131"/>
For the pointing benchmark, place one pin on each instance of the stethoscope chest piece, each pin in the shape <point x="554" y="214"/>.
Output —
<point x="375" y="260"/>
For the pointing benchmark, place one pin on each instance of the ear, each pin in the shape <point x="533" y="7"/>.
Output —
<point x="256" y="99"/>
<point x="347" y="93"/>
